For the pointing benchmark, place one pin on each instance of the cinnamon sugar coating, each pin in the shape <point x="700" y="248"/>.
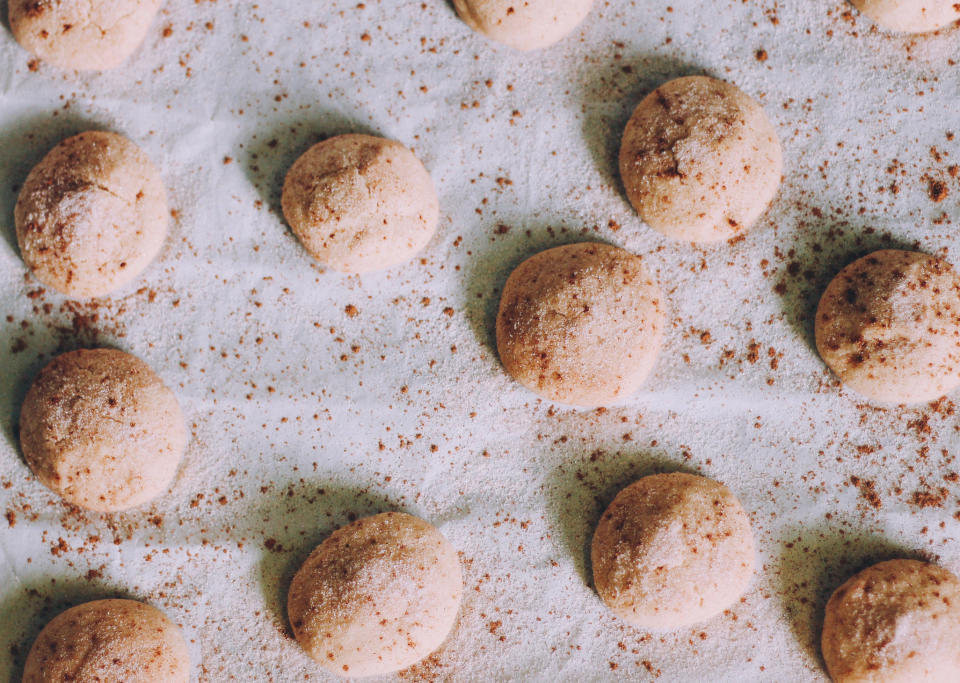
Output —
<point x="109" y="641"/>
<point x="525" y="25"/>
<point x="672" y="550"/>
<point x="360" y="203"/>
<point x="92" y="215"/>
<point x="99" y="428"/>
<point x="895" y="622"/>
<point x="700" y="160"/>
<point x="377" y="596"/>
<point x="93" y="35"/>
<point x="581" y="324"/>
<point x="889" y="326"/>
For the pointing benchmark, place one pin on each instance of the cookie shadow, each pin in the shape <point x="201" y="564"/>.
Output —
<point x="294" y="522"/>
<point x="490" y="268"/>
<point x="25" y="141"/>
<point x="581" y="488"/>
<point x="812" y="563"/>
<point x="818" y="251"/>
<point x="34" y="603"/>
<point x="610" y="94"/>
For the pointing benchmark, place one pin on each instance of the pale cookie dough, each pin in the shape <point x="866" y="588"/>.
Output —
<point x="672" y="550"/>
<point x="109" y="641"/>
<point x="87" y="35"/>
<point x="895" y="622"/>
<point x="377" y="596"/>
<point x="92" y="215"/>
<point x="100" y="428"/>
<point x="523" y="24"/>
<point x="360" y="203"/>
<point x="889" y="326"/>
<point x="700" y="160"/>
<point x="581" y="324"/>
<point x="910" y="16"/>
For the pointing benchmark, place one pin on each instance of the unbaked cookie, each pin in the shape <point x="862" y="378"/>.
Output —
<point x="672" y="550"/>
<point x="889" y="326"/>
<point x="377" y="596"/>
<point x="581" y="324"/>
<point x="109" y="641"/>
<point x="100" y="428"/>
<point x="360" y="203"/>
<point x="895" y="622"/>
<point x="91" y="215"/>
<point x="92" y="35"/>
<point x="910" y="16"/>
<point x="525" y="25"/>
<point x="700" y="160"/>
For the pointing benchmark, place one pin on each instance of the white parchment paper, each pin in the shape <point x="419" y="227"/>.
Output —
<point x="303" y="416"/>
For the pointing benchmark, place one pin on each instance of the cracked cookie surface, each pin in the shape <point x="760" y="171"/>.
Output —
<point x="672" y="550"/>
<point x="377" y="596"/>
<point x="92" y="215"/>
<point x="894" y="622"/>
<point x="360" y="203"/>
<point x="700" y="160"/>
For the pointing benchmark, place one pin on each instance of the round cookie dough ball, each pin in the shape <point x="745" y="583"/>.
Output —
<point x="527" y="25"/>
<point x="109" y="641"/>
<point x="895" y="622"/>
<point x="100" y="428"/>
<point x="377" y="596"/>
<point x="700" y="160"/>
<point x="910" y="16"/>
<point x="92" y="215"/>
<point x="889" y="326"/>
<point x="359" y="203"/>
<point x="85" y="36"/>
<point x="672" y="550"/>
<point x="581" y="324"/>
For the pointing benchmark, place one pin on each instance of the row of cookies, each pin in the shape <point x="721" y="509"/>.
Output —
<point x="102" y="35"/>
<point x="579" y="324"/>
<point x="671" y="550"/>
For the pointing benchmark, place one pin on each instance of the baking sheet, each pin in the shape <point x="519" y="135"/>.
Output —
<point x="303" y="417"/>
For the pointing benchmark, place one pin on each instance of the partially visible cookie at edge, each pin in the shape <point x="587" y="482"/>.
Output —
<point x="894" y="622"/>
<point x="529" y="25"/>
<point x="95" y="35"/>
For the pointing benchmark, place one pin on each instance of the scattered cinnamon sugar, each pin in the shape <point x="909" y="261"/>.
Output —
<point x="937" y="191"/>
<point x="929" y="498"/>
<point x="868" y="491"/>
